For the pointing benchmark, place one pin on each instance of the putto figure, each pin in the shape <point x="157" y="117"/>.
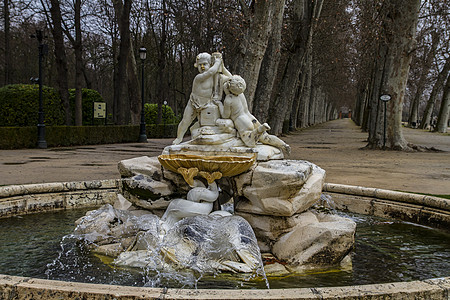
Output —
<point x="206" y="85"/>
<point x="250" y="129"/>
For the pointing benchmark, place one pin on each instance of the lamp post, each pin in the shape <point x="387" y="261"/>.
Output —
<point x="142" y="134"/>
<point x="164" y="118"/>
<point x="385" y="98"/>
<point x="41" y="126"/>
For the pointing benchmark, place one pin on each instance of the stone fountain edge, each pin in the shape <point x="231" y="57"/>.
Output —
<point x="32" y="198"/>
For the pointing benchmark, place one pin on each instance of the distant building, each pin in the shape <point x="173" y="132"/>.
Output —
<point x="345" y="112"/>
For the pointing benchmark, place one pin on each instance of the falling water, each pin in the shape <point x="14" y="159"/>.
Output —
<point x="195" y="248"/>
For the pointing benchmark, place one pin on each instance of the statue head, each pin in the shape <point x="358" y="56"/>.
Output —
<point x="236" y="85"/>
<point x="203" y="61"/>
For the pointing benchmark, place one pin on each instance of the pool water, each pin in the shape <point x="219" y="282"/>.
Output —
<point x="39" y="245"/>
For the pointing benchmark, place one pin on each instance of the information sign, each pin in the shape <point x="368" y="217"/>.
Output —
<point x="99" y="110"/>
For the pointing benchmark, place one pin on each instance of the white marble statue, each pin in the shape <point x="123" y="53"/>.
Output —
<point x="206" y="86"/>
<point x="199" y="202"/>
<point x="250" y="129"/>
<point x="217" y="122"/>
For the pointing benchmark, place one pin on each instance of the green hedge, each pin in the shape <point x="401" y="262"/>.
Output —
<point x="56" y="136"/>
<point x="19" y="105"/>
<point x="151" y="114"/>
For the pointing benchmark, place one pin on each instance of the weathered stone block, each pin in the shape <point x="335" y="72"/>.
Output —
<point x="322" y="243"/>
<point x="280" y="187"/>
<point x="145" y="165"/>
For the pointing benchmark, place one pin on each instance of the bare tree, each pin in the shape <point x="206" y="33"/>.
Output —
<point x="254" y="44"/>
<point x="424" y="69"/>
<point x="269" y="65"/>
<point x="437" y="87"/>
<point x="78" y="65"/>
<point x="61" y="58"/>
<point x="399" y="20"/>
<point x="304" y="16"/>
<point x="7" y="49"/>
<point x="121" y="103"/>
<point x="444" y="111"/>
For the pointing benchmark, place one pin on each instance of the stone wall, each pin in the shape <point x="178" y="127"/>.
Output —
<point x="32" y="198"/>
<point x="420" y="209"/>
<point x="22" y="199"/>
<point x="15" y="288"/>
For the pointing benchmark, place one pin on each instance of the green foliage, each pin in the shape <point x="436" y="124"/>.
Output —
<point x="151" y="114"/>
<point x="19" y="105"/>
<point x="26" y="137"/>
<point x="88" y="98"/>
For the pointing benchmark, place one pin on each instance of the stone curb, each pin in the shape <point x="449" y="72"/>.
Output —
<point x="98" y="191"/>
<point x="423" y="200"/>
<point x="14" y="287"/>
<point x="31" y="198"/>
<point x="38" y="188"/>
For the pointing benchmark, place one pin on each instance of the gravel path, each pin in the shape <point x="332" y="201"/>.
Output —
<point x="334" y="146"/>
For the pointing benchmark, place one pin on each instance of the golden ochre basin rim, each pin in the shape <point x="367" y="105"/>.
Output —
<point x="227" y="165"/>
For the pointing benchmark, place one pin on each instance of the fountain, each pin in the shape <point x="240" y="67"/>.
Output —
<point x="232" y="157"/>
<point x="213" y="204"/>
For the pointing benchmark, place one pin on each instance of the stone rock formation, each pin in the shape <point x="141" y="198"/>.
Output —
<point x="275" y="197"/>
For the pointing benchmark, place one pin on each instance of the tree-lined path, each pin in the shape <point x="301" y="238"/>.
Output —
<point x="334" y="146"/>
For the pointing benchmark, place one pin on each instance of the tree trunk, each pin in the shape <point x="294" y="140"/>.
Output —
<point x="426" y="66"/>
<point x="414" y="109"/>
<point x="269" y="66"/>
<point x="162" y="88"/>
<point x="134" y="93"/>
<point x="399" y="27"/>
<point x="442" y="122"/>
<point x="78" y="66"/>
<point x="7" y="65"/>
<point x="253" y="48"/>
<point x="122" y="11"/>
<point x="426" y="119"/>
<point x="61" y="59"/>
<point x="306" y="13"/>
<point x="300" y="108"/>
<point x="375" y="114"/>
<point x="360" y="105"/>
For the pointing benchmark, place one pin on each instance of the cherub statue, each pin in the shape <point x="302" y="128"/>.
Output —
<point x="235" y="107"/>
<point x="205" y="85"/>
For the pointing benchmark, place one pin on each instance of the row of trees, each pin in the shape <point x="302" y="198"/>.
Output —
<point x="302" y="59"/>
<point x="408" y="38"/>
<point x="94" y="44"/>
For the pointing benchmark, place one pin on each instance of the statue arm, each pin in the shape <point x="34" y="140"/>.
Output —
<point x="226" y="72"/>
<point x="244" y="103"/>
<point x="220" y="106"/>
<point x="226" y="108"/>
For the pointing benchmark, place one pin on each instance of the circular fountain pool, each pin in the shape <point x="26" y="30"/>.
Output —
<point x="41" y="246"/>
<point x="386" y="250"/>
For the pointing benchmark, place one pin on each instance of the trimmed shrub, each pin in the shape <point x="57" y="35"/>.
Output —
<point x="88" y="98"/>
<point x="151" y="114"/>
<point x="19" y="105"/>
<point x="55" y="136"/>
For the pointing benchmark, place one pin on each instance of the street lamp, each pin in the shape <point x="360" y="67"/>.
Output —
<point x="142" y="134"/>
<point x="164" y="117"/>
<point x="385" y="98"/>
<point x="43" y="48"/>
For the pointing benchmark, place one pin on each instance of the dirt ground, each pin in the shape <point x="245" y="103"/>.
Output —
<point x="334" y="146"/>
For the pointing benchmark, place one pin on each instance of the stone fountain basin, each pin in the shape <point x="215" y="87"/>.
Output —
<point x="24" y="199"/>
<point x="227" y="165"/>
